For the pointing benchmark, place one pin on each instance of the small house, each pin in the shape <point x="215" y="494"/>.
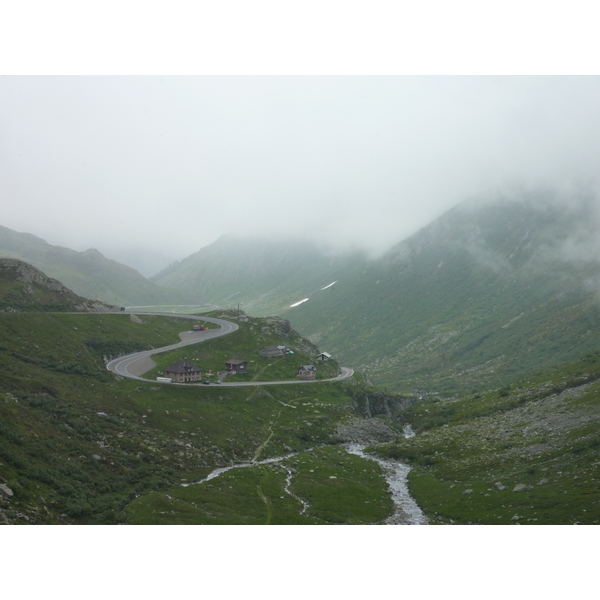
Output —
<point x="324" y="356"/>
<point x="183" y="371"/>
<point x="307" y="372"/>
<point x="236" y="366"/>
<point x="272" y="351"/>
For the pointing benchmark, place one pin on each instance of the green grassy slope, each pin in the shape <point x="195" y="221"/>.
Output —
<point x="482" y="296"/>
<point x="244" y="344"/>
<point x="263" y="276"/>
<point x="541" y="433"/>
<point x="78" y="445"/>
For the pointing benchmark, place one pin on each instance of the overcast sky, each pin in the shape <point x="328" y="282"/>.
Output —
<point x="168" y="164"/>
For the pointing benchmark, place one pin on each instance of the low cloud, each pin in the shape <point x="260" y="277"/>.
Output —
<point x="169" y="164"/>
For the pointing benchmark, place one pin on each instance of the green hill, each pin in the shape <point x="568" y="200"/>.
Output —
<point x="79" y="445"/>
<point x="491" y="291"/>
<point x="88" y="273"/>
<point x="25" y="288"/>
<point x="524" y="454"/>
<point x="487" y="294"/>
<point x="263" y="276"/>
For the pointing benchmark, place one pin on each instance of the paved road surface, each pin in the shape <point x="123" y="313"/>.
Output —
<point x="134" y="365"/>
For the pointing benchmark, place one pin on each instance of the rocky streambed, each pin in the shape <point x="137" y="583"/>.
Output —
<point x="360" y="433"/>
<point x="396" y="474"/>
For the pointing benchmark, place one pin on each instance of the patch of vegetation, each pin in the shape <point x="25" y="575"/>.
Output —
<point x="542" y="434"/>
<point x="471" y="302"/>
<point x="321" y="486"/>
<point x="244" y="344"/>
<point x="82" y="448"/>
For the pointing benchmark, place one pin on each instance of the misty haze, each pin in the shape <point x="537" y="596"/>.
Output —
<point x="299" y="300"/>
<point x="149" y="170"/>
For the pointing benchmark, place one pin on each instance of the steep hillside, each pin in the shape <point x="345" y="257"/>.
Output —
<point x="263" y="276"/>
<point x="25" y="288"/>
<point x="486" y="294"/>
<point x="79" y="445"/>
<point x="524" y="454"/>
<point x="88" y="273"/>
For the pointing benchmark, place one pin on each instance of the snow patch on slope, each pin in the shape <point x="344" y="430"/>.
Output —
<point x="298" y="303"/>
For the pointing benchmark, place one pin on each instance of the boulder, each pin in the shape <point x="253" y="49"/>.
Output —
<point x="468" y="491"/>
<point x="543" y="482"/>
<point x="520" y="487"/>
<point x="5" y="491"/>
<point x="498" y="485"/>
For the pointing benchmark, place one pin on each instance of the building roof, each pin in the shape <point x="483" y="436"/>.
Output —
<point x="234" y="361"/>
<point x="271" y="348"/>
<point x="309" y="368"/>
<point x="182" y="366"/>
<point x="325" y="354"/>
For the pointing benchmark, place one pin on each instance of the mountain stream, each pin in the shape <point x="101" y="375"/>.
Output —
<point x="407" y="511"/>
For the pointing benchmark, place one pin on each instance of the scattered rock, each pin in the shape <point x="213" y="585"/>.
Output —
<point x="468" y="491"/>
<point x="543" y="481"/>
<point x="515" y="518"/>
<point x="366" y="431"/>
<point x="498" y="485"/>
<point x="520" y="487"/>
<point x="5" y="491"/>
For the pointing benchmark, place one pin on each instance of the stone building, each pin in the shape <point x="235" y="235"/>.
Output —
<point x="307" y="372"/>
<point x="183" y="371"/>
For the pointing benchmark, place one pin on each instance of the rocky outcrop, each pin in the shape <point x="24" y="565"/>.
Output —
<point x="280" y="327"/>
<point x="369" y="403"/>
<point x="5" y="491"/>
<point x="35" y="290"/>
<point x="366" y="431"/>
<point x="22" y="271"/>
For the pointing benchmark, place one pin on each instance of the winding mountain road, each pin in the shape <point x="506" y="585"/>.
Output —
<point x="136" y="364"/>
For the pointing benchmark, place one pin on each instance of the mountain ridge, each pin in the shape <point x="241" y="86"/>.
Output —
<point x="25" y="288"/>
<point x="481" y="295"/>
<point x="88" y="273"/>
